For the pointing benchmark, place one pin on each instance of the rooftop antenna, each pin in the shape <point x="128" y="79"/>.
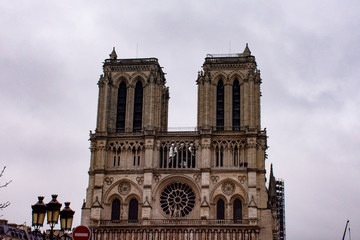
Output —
<point x="347" y="226"/>
<point x="137" y="49"/>
<point x="229" y="47"/>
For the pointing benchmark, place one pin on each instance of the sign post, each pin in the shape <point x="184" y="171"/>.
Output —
<point x="81" y="233"/>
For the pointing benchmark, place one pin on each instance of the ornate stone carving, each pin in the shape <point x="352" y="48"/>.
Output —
<point x="232" y="66"/>
<point x="251" y="143"/>
<point x="140" y="180"/>
<point x="214" y="179"/>
<point x="124" y="188"/>
<point x="125" y="145"/>
<point x="228" y="187"/>
<point x="177" y="200"/>
<point x="197" y="177"/>
<point x="261" y="144"/>
<point x="157" y="177"/>
<point x="109" y="180"/>
<point x="242" y="179"/>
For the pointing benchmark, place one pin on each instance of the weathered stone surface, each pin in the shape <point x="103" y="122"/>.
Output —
<point x="204" y="184"/>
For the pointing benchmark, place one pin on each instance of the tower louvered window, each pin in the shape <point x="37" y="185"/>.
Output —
<point x="236" y="105"/>
<point x="138" y="105"/>
<point x="121" y="108"/>
<point x="220" y="106"/>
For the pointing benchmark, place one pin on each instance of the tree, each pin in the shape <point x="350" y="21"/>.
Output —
<point x="7" y="203"/>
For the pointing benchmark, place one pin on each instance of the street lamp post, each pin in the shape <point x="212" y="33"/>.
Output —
<point x="53" y="211"/>
<point x="66" y="218"/>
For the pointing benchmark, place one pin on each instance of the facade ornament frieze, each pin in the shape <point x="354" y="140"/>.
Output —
<point x="232" y="66"/>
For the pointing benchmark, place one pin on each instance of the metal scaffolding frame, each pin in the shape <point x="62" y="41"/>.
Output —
<point x="280" y="205"/>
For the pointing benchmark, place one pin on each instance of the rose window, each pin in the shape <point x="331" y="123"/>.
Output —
<point x="177" y="200"/>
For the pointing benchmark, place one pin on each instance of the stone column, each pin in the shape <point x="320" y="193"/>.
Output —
<point x="129" y="108"/>
<point x="147" y="204"/>
<point x="205" y="195"/>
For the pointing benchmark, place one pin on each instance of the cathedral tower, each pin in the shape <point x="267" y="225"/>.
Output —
<point x="148" y="183"/>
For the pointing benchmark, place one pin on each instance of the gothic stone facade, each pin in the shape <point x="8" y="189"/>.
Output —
<point x="146" y="182"/>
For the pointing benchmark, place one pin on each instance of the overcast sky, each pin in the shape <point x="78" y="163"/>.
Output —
<point x="51" y="55"/>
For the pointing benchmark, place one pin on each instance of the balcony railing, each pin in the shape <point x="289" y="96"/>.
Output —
<point x="177" y="222"/>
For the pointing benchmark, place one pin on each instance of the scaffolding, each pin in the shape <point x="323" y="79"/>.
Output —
<point x="280" y="205"/>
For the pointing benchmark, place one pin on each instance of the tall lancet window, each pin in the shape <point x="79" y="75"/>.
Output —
<point x="121" y="108"/>
<point x="220" y="106"/>
<point x="115" y="210"/>
<point x="220" y="209"/>
<point x="237" y="210"/>
<point x="138" y="105"/>
<point x="236" y="105"/>
<point x="133" y="209"/>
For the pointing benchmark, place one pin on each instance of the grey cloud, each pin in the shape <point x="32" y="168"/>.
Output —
<point x="308" y="53"/>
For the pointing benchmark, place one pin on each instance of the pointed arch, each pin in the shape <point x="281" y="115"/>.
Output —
<point x="236" y="75"/>
<point x="139" y="76"/>
<point x="121" y="76"/>
<point x="138" y="107"/>
<point x="121" y="107"/>
<point x="217" y="76"/>
<point x="113" y="191"/>
<point x="240" y="191"/>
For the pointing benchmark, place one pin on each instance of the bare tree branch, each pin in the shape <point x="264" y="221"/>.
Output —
<point x="4" y="205"/>
<point x="1" y="174"/>
<point x="7" y="203"/>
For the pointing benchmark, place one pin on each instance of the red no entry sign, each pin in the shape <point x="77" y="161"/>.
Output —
<point x="81" y="233"/>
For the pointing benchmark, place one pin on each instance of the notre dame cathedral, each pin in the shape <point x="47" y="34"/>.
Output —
<point x="146" y="182"/>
